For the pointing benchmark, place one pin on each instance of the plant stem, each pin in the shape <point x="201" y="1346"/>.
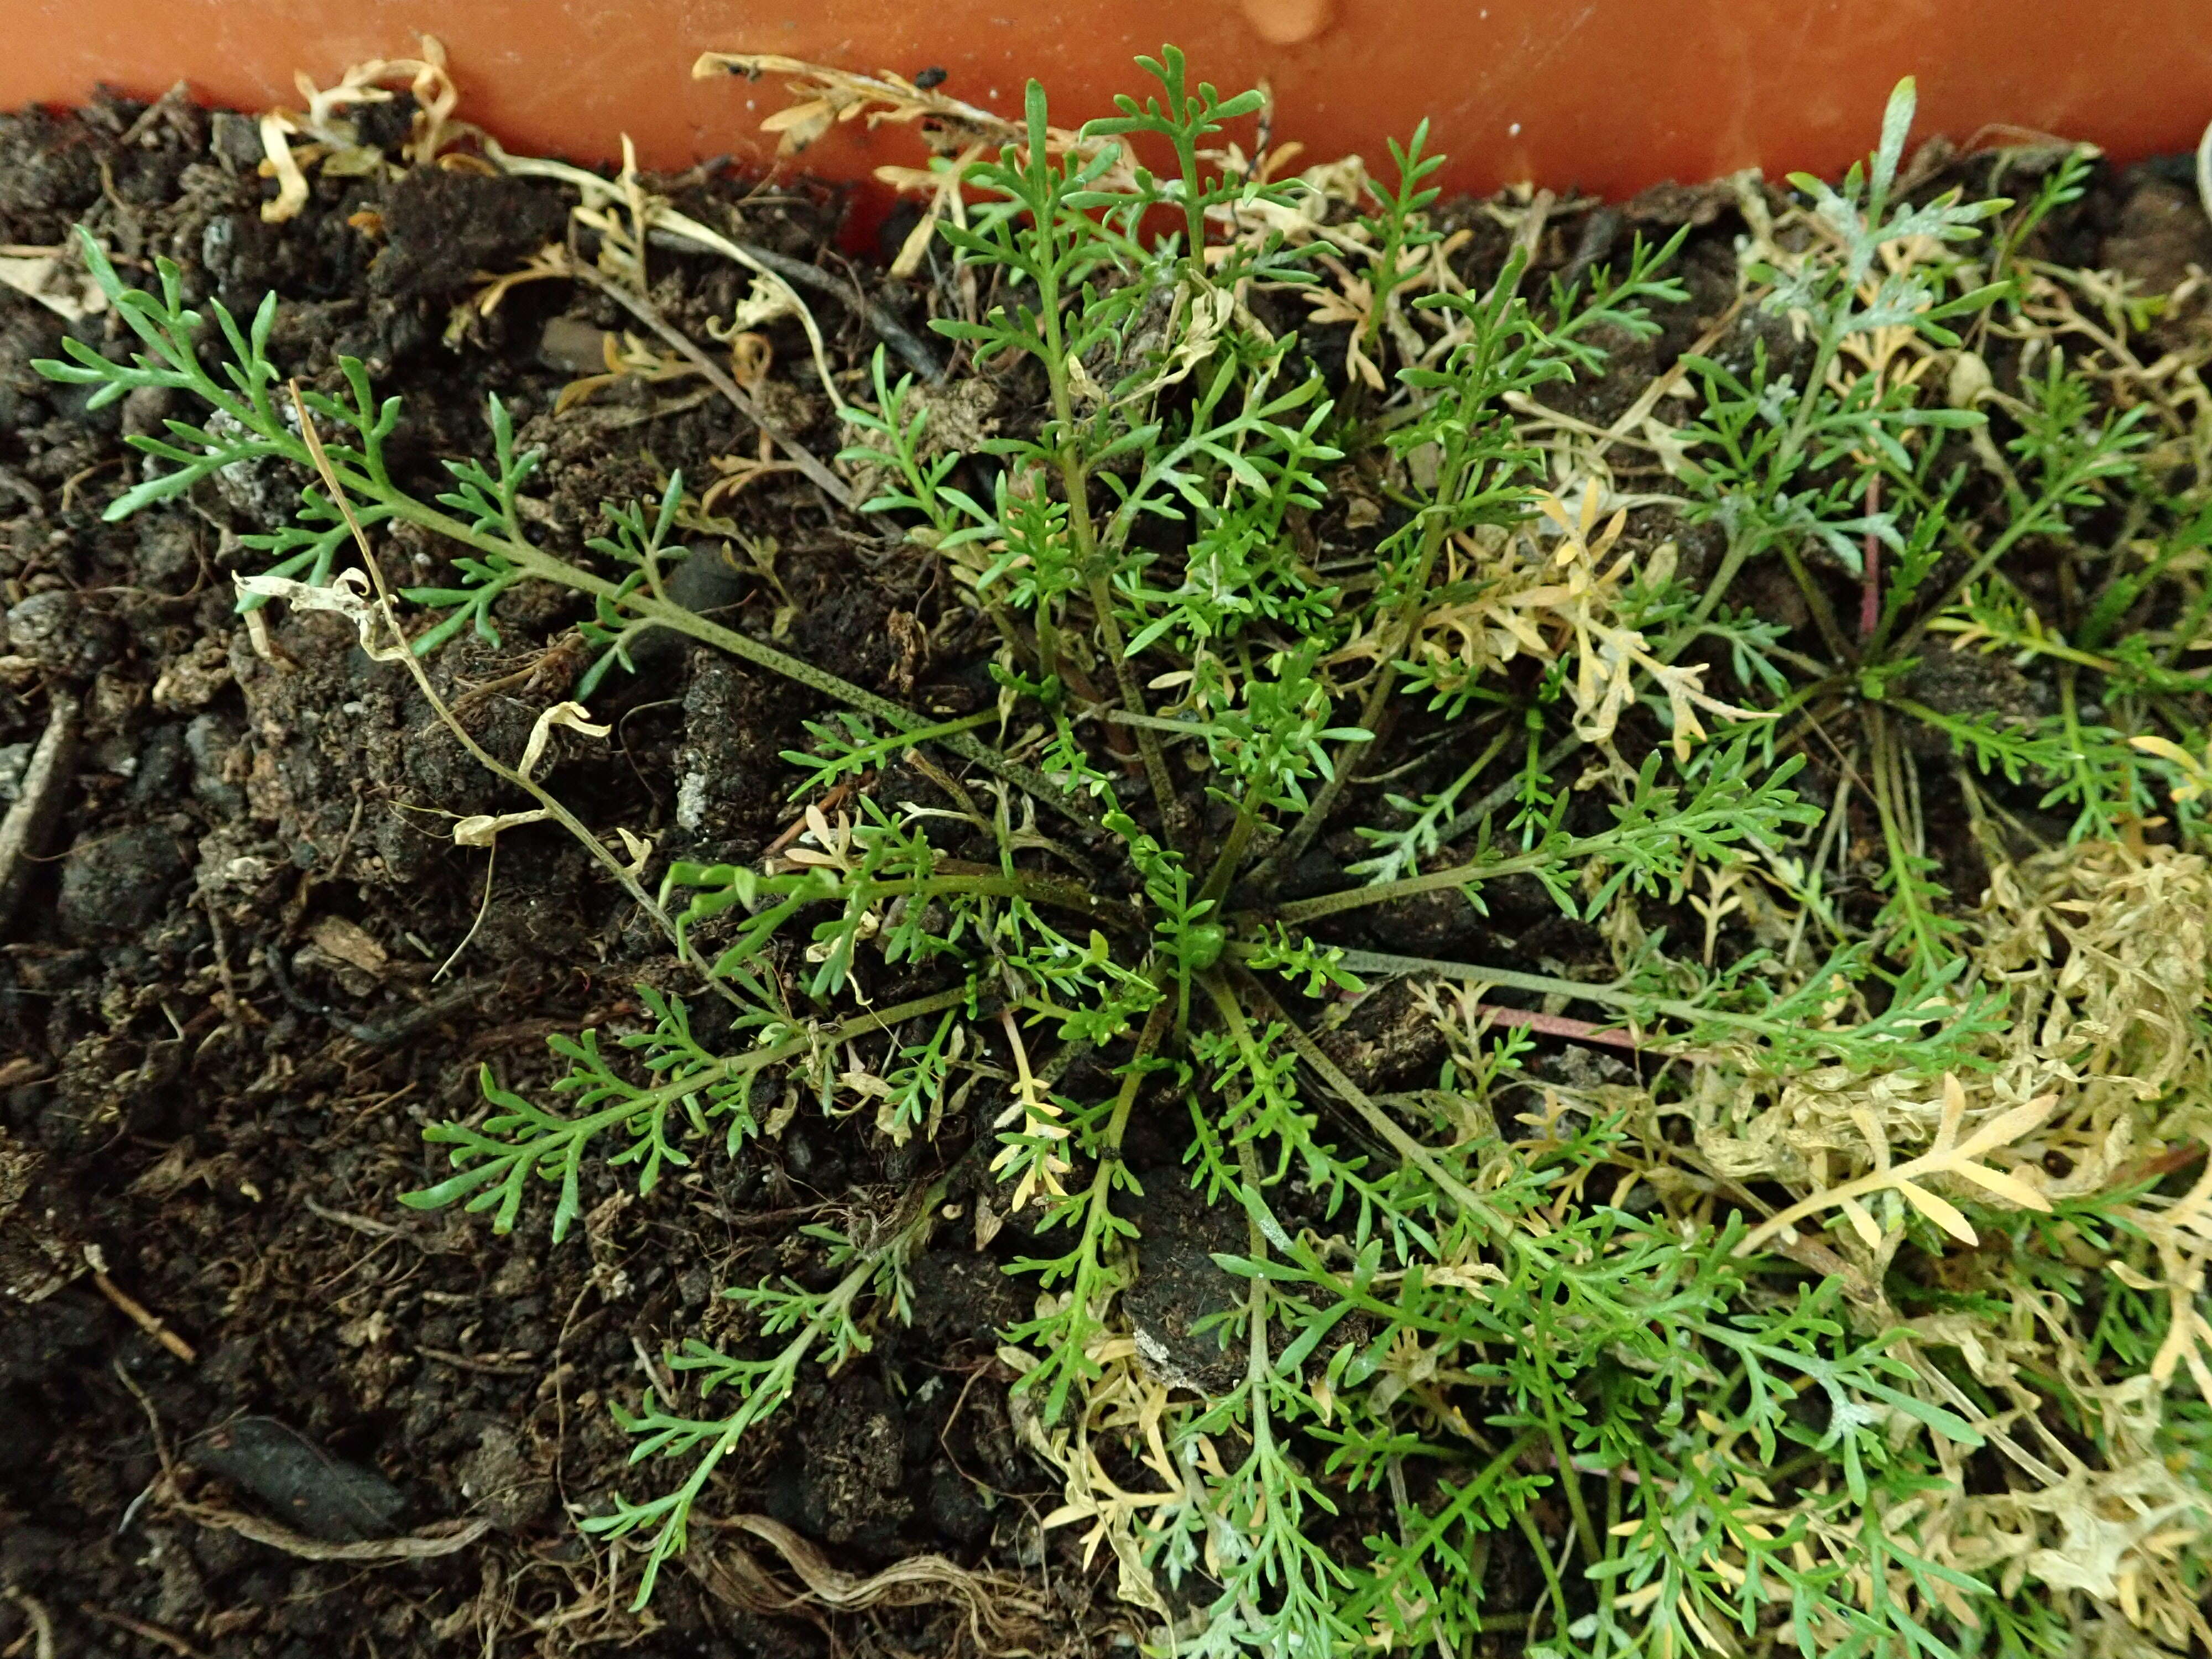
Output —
<point x="834" y="1310"/>
<point x="535" y="562"/>
<point x="2037" y="518"/>
<point x="1378" y="962"/>
<point x="1379" y="1119"/>
<point x="1569" y="1479"/>
<point x="1870" y="566"/>
<point x="1404" y="621"/>
<point x="1075" y="485"/>
<point x="1218" y="879"/>
<point x="1780" y="466"/>
<point x="1096" y="1211"/>
<point x="1548" y="762"/>
<point x="1038" y="890"/>
<point x="575" y="1131"/>
<point x="1816" y="602"/>
<point x="1299" y="912"/>
<point x="816" y="474"/>
<point x="1606" y="1585"/>
<point x="1527" y="1525"/>
<point x="547" y="803"/>
<point x="1887" y="763"/>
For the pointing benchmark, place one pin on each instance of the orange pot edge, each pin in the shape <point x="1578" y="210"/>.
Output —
<point x="1607" y="95"/>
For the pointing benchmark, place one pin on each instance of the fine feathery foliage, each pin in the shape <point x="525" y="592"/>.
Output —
<point x="1862" y="1315"/>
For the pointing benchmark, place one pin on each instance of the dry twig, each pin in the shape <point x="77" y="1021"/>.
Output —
<point x="998" y="1608"/>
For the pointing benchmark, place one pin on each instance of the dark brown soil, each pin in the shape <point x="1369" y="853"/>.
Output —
<point x="223" y="1025"/>
<point x="222" y="1028"/>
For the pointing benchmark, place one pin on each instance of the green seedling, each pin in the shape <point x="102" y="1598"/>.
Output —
<point x="1802" y="1333"/>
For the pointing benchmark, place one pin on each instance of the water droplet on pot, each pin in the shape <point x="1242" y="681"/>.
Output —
<point x="1288" y="23"/>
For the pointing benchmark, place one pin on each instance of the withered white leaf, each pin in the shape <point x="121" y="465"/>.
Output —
<point x="2004" y="1185"/>
<point x="1941" y="1211"/>
<point x="1862" y="1223"/>
<point x="1948" y="1155"/>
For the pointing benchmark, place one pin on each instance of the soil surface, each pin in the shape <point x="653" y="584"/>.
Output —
<point x="249" y="965"/>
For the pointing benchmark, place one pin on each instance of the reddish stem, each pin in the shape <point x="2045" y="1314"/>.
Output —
<point x="1871" y="562"/>
<point x="1558" y="1025"/>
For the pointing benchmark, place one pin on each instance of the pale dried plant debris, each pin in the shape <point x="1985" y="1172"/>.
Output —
<point x="332" y="141"/>
<point x="1880" y="1195"/>
<point x="1949" y="1156"/>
